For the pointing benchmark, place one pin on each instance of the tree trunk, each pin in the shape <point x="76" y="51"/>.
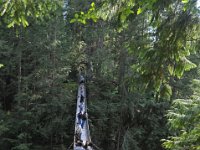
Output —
<point x="122" y="63"/>
<point x="20" y="71"/>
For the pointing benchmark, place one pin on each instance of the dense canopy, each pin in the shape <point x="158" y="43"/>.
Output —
<point x="140" y="59"/>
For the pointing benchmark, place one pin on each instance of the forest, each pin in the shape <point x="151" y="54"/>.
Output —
<point x="141" y="63"/>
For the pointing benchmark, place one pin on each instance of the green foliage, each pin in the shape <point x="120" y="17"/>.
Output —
<point x="138" y="121"/>
<point x="183" y="117"/>
<point x="1" y="65"/>
<point x="139" y="11"/>
<point x="185" y="1"/>
<point x="152" y="51"/>
<point x="147" y="125"/>
<point x="134" y="47"/>
<point x="18" y="12"/>
<point x="34" y="100"/>
<point x="83" y="17"/>
<point x="184" y="120"/>
<point x="21" y="147"/>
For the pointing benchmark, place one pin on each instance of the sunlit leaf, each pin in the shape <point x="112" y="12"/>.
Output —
<point x="92" y="4"/>
<point x="179" y="69"/>
<point x="76" y="16"/>
<point x="189" y="65"/>
<point x="139" y="11"/>
<point x="73" y="20"/>
<point x="11" y="24"/>
<point x="170" y="69"/>
<point x="185" y="1"/>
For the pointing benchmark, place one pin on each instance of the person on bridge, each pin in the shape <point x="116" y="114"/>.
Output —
<point x="79" y="117"/>
<point x="83" y="117"/>
<point x="80" y="107"/>
<point x="82" y="99"/>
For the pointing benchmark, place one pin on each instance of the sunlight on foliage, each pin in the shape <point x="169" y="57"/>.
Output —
<point x="18" y="12"/>
<point x="83" y="17"/>
<point x="185" y="1"/>
<point x="184" y="120"/>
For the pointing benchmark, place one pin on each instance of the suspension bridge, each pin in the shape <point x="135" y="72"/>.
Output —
<point x="82" y="139"/>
